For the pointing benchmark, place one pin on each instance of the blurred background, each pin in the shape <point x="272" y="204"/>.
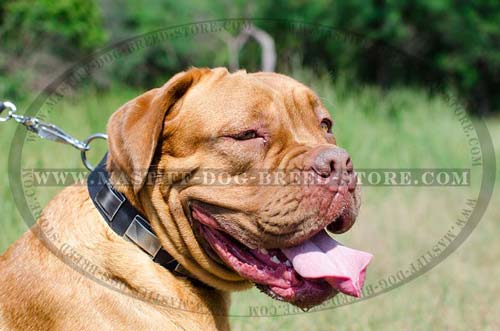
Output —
<point x="381" y="68"/>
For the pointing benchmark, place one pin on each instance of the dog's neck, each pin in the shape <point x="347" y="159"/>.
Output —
<point x="97" y="253"/>
<point x="163" y="268"/>
<point x="128" y="222"/>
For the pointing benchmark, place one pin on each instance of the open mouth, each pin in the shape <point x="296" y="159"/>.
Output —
<point x="304" y="275"/>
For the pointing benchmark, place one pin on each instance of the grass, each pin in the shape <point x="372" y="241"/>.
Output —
<point x="400" y="128"/>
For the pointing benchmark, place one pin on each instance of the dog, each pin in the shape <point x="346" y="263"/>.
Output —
<point x="271" y="138"/>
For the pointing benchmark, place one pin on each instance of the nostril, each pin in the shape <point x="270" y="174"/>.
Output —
<point x="332" y="166"/>
<point x="349" y="166"/>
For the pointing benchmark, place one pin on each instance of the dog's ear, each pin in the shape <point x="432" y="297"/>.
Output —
<point x="135" y="128"/>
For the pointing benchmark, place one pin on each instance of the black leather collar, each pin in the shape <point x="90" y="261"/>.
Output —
<point x="124" y="219"/>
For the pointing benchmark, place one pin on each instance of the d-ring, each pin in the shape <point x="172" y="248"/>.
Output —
<point x="10" y="107"/>
<point x="87" y="142"/>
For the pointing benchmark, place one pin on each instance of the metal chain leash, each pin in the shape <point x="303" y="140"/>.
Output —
<point x="49" y="131"/>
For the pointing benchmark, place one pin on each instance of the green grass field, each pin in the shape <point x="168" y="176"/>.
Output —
<point x="401" y="128"/>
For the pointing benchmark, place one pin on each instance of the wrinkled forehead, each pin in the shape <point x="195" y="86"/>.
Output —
<point x="222" y="100"/>
<point x="300" y="99"/>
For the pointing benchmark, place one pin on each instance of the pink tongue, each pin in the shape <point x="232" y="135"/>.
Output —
<point x="322" y="257"/>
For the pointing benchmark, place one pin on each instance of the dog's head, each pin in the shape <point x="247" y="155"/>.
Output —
<point x="239" y="175"/>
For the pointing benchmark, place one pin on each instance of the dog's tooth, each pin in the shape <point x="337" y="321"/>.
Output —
<point x="287" y="263"/>
<point x="264" y="251"/>
<point x="275" y="259"/>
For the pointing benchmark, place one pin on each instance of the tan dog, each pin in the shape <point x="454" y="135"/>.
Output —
<point x="82" y="276"/>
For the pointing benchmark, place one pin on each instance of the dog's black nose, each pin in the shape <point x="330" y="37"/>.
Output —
<point x="335" y="162"/>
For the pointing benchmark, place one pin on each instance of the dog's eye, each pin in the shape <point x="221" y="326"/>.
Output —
<point x="247" y="135"/>
<point x="326" y="125"/>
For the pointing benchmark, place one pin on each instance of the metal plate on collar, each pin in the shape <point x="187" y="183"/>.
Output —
<point x="142" y="237"/>
<point x="109" y="201"/>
